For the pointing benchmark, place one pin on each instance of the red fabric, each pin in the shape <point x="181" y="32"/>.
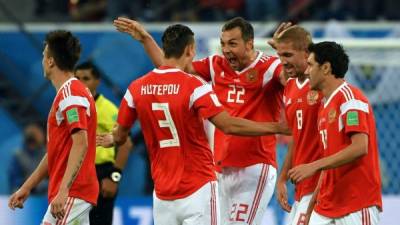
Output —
<point x="178" y="169"/>
<point x="255" y="94"/>
<point x="355" y="185"/>
<point x="301" y="110"/>
<point x="73" y="95"/>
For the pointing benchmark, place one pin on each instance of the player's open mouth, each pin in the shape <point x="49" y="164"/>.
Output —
<point x="289" y="70"/>
<point x="232" y="60"/>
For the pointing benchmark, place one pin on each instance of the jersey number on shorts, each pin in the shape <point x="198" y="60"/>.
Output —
<point x="299" y="116"/>
<point x="302" y="219"/>
<point x="169" y="123"/>
<point x="238" y="211"/>
<point x="235" y="93"/>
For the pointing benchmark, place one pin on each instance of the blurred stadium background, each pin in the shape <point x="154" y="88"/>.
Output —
<point x="369" y="30"/>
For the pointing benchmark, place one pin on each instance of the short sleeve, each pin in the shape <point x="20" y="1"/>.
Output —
<point x="127" y="111"/>
<point x="205" y="101"/>
<point x="273" y="71"/>
<point x="76" y="118"/>
<point x="354" y="117"/>
<point x="202" y="68"/>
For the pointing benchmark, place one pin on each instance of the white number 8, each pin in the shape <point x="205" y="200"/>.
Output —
<point x="299" y="116"/>
<point x="168" y="122"/>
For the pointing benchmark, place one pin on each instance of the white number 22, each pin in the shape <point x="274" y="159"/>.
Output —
<point x="168" y="122"/>
<point x="235" y="90"/>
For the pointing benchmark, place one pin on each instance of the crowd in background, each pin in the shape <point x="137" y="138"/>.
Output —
<point x="209" y="10"/>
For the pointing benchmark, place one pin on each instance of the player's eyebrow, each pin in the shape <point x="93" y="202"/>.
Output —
<point x="232" y="39"/>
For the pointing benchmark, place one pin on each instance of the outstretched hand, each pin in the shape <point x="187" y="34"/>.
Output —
<point x="131" y="27"/>
<point x="282" y="27"/>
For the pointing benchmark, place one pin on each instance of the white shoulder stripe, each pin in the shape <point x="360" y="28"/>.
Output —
<point x="129" y="99"/>
<point x="198" y="93"/>
<point x="69" y="101"/>
<point x="349" y="91"/>
<point x="74" y="100"/>
<point x="212" y="72"/>
<point x="270" y="71"/>
<point x="353" y="104"/>
<point x="200" y="79"/>
<point x="345" y="95"/>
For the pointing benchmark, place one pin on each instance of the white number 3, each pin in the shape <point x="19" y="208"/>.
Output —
<point x="168" y="122"/>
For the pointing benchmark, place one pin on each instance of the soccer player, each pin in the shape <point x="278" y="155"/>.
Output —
<point x="171" y="105"/>
<point x="301" y="109"/>
<point x="249" y="85"/>
<point x="109" y="161"/>
<point x="71" y="139"/>
<point x="350" y="192"/>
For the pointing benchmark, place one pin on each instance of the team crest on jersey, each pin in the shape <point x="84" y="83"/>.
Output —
<point x="331" y="115"/>
<point x="252" y="75"/>
<point x="312" y="97"/>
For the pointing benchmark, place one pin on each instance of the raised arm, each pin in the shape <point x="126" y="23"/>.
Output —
<point x="244" y="127"/>
<point x="139" y="33"/>
<point x="282" y="27"/>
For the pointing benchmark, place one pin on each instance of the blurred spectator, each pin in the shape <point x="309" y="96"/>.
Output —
<point x="261" y="10"/>
<point x="127" y="8"/>
<point x="87" y="10"/>
<point x="215" y="10"/>
<point x="26" y="159"/>
<point x="220" y="10"/>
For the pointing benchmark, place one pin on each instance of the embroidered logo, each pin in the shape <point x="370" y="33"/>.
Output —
<point x="251" y="76"/>
<point x="312" y="97"/>
<point x="331" y="115"/>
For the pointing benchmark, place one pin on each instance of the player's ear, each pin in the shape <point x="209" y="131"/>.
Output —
<point x="51" y="62"/>
<point x="326" y="68"/>
<point x="249" y="44"/>
<point x="190" y="50"/>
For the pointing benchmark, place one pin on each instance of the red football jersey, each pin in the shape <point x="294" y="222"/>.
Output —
<point x="255" y="93"/>
<point x="301" y="110"/>
<point x="73" y="108"/>
<point x="171" y="105"/>
<point x="355" y="185"/>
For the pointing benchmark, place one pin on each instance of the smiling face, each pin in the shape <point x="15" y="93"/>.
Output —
<point x="235" y="49"/>
<point x="294" y="61"/>
<point x="315" y="72"/>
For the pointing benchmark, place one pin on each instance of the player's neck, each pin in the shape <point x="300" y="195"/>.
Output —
<point x="301" y="78"/>
<point x="249" y="59"/>
<point x="175" y="63"/>
<point x="330" y="86"/>
<point x="59" y="78"/>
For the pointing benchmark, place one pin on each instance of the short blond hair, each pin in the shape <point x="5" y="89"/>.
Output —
<point x="299" y="36"/>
